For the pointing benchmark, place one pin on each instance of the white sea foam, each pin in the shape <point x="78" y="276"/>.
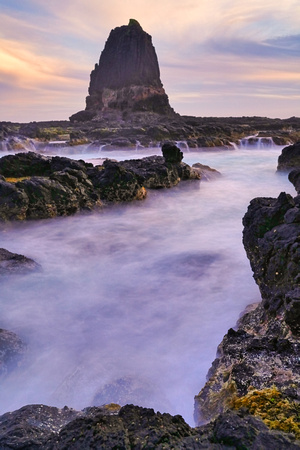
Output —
<point x="144" y="290"/>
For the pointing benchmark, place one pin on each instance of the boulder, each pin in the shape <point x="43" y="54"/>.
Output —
<point x="155" y="172"/>
<point x="33" y="164"/>
<point x="116" y="184"/>
<point x="289" y="158"/>
<point x="171" y="153"/>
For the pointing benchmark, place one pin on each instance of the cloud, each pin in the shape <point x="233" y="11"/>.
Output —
<point x="205" y="49"/>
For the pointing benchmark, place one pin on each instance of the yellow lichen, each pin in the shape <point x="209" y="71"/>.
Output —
<point x="15" y="180"/>
<point x="277" y="411"/>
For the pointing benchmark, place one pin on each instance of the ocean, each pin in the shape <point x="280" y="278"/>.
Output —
<point x="132" y="301"/>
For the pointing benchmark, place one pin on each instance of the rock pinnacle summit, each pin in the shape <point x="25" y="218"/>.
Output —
<point x="127" y="77"/>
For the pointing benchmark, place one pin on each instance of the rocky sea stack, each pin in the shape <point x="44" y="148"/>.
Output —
<point x="127" y="77"/>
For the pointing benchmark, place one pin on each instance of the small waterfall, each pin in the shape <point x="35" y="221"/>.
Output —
<point x="138" y="146"/>
<point x="256" y="142"/>
<point x="18" y="144"/>
<point x="234" y="145"/>
<point x="183" y="145"/>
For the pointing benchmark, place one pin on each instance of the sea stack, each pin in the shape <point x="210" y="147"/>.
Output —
<point x="127" y="77"/>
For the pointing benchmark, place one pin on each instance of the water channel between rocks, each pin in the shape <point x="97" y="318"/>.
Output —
<point x="133" y="301"/>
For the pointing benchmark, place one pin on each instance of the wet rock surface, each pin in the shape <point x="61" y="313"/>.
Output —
<point x="259" y="359"/>
<point x="132" y="427"/>
<point x="33" y="186"/>
<point x="145" y="129"/>
<point x="257" y="364"/>
<point x="289" y="158"/>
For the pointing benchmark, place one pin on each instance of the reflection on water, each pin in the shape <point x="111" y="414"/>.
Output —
<point x="133" y="301"/>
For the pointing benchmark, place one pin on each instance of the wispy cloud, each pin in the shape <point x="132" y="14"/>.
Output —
<point x="213" y="49"/>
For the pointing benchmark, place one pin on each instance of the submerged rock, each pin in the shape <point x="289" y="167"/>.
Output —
<point x="12" y="263"/>
<point x="206" y="172"/>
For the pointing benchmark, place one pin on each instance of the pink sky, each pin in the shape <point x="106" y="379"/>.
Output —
<point x="217" y="57"/>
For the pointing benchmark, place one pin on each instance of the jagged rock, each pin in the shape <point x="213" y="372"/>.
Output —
<point x="116" y="184"/>
<point x="127" y="77"/>
<point x="34" y="164"/>
<point x="156" y="172"/>
<point x="261" y="353"/>
<point x="12" y="263"/>
<point x="12" y="350"/>
<point x="31" y="426"/>
<point x="132" y="427"/>
<point x="271" y="240"/>
<point x="171" y="153"/>
<point x="289" y="158"/>
<point x="44" y="187"/>
<point x="13" y="202"/>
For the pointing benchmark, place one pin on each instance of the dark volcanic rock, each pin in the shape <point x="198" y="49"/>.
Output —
<point x="155" y="172"/>
<point x="39" y="187"/>
<point x="34" y="164"/>
<point x="12" y="263"/>
<point x="260" y="358"/>
<point x="289" y="158"/>
<point x="171" y="153"/>
<point x="32" y="425"/>
<point x="116" y="184"/>
<point x="13" y="202"/>
<point x="132" y="427"/>
<point x="127" y="76"/>
<point x="271" y="240"/>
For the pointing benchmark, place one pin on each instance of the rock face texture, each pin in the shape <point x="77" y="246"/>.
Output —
<point x="257" y="365"/>
<point x="131" y="427"/>
<point x="33" y="186"/>
<point x="289" y="158"/>
<point x="127" y="77"/>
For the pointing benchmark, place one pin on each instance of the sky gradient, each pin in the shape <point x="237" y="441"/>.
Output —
<point x="216" y="57"/>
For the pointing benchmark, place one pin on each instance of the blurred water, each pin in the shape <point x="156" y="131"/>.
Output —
<point x="144" y="290"/>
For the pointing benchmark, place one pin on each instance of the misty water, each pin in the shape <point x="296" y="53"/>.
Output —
<point x="132" y="301"/>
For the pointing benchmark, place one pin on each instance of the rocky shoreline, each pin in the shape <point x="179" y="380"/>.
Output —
<point x="114" y="130"/>
<point x="33" y="186"/>
<point x="251" y="398"/>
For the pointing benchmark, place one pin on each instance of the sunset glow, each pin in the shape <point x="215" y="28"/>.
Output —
<point x="217" y="58"/>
